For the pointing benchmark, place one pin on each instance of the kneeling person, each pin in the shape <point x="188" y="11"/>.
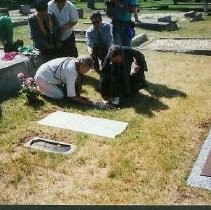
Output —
<point x="58" y="78"/>
<point x="98" y="39"/>
<point x="122" y="73"/>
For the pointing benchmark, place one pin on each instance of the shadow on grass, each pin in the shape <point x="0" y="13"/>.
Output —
<point x="158" y="90"/>
<point x="146" y="104"/>
<point x="95" y="83"/>
<point x="37" y="104"/>
<point x="67" y="103"/>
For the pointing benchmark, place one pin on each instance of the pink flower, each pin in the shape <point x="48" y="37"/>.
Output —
<point x="30" y="79"/>
<point x="21" y="75"/>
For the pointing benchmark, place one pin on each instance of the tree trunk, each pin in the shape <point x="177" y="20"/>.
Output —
<point x="205" y="6"/>
<point x="91" y="4"/>
<point x="175" y="1"/>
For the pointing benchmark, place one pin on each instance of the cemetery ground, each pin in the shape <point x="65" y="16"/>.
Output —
<point x="147" y="164"/>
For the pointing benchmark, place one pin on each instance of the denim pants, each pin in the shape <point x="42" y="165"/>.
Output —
<point x="120" y="37"/>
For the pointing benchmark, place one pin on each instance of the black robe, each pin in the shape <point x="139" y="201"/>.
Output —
<point x="116" y="80"/>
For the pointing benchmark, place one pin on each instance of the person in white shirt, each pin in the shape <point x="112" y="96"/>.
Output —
<point x="58" y="78"/>
<point x="67" y="16"/>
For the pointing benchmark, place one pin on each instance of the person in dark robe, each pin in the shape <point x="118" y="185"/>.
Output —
<point x="122" y="73"/>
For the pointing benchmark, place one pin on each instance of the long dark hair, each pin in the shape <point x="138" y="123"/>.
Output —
<point x="115" y="50"/>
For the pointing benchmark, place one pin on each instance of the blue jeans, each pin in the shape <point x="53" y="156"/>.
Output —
<point x="120" y="37"/>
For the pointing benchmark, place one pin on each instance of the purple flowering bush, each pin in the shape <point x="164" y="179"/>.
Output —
<point x="28" y="86"/>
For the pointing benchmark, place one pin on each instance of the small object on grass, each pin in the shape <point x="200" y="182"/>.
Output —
<point x="104" y="105"/>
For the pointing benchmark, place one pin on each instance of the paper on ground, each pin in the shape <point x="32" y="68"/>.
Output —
<point x="85" y="124"/>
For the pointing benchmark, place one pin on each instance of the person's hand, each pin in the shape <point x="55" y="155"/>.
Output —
<point x="135" y="68"/>
<point x="64" y="28"/>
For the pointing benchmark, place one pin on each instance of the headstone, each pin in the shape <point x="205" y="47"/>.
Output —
<point x="190" y="14"/>
<point x="80" y="13"/>
<point x="48" y="145"/>
<point x="139" y="39"/>
<point x="165" y="18"/>
<point x="206" y="171"/>
<point x="4" y="11"/>
<point x="195" y="178"/>
<point x="152" y="24"/>
<point x="25" y="9"/>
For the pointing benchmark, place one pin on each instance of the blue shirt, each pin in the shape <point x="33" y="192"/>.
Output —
<point x="121" y="13"/>
<point x="105" y="35"/>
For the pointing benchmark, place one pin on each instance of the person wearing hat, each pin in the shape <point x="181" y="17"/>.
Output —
<point x="98" y="39"/>
<point x="67" y="16"/>
<point x="44" y="30"/>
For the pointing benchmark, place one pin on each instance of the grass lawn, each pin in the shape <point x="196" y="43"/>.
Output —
<point x="147" y="164"/>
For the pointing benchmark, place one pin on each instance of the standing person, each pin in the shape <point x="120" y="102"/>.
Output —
<point x="44" y="30"/>
<point x="98" y="39"/>
<point x="120" y="11"/>
<point x="58" y="78"/>
<point x="136" y="16"/>
<point x="67" y="16"/>
<point x="122" y="73"/>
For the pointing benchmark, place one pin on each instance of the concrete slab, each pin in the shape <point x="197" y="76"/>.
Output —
<point x="195" y="179"/>
<point x="197" y="46"/>
<point x="83" y="123"/>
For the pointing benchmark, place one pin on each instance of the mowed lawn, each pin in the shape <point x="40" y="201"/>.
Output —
<point x="147" y="164"/>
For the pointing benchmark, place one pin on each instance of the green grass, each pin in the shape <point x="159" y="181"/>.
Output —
<point x="147" y="164"/>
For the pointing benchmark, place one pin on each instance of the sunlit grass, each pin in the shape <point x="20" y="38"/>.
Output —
<point x="147" y="164"/>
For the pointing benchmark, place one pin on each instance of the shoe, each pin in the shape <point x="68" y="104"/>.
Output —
<point x="143" y="86"/>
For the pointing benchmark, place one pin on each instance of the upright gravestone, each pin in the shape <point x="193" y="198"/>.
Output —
<point x="205" y="6"/>
<point x="91" y="4"/>
<point x="25" y="9"/>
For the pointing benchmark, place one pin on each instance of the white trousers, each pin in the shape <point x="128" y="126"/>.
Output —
<point x="49" y="90"/>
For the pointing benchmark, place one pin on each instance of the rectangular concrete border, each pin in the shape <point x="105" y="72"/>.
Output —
<point x="195" y="52"/>
<point x="28" y="144"/>
<point x="195" y="179"/>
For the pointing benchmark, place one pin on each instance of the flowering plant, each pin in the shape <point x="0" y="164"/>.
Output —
<point x="28" y="86"/>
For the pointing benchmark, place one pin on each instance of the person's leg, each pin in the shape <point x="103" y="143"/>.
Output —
<point x="138" y="82"/>
<point x="69" y="47"/>
<point x="49" y="90"/>
<point x="116" y="32"/>
<point x="96" y="62"/>
<point x="126" y="40"/>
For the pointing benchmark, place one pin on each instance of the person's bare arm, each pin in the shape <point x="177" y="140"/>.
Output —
<point x="68" y="25"/>
<point x="81" y="100"/>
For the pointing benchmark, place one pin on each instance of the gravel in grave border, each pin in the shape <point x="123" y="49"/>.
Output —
<point x="199" y="46"/>
<point x="194" y="179"/>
